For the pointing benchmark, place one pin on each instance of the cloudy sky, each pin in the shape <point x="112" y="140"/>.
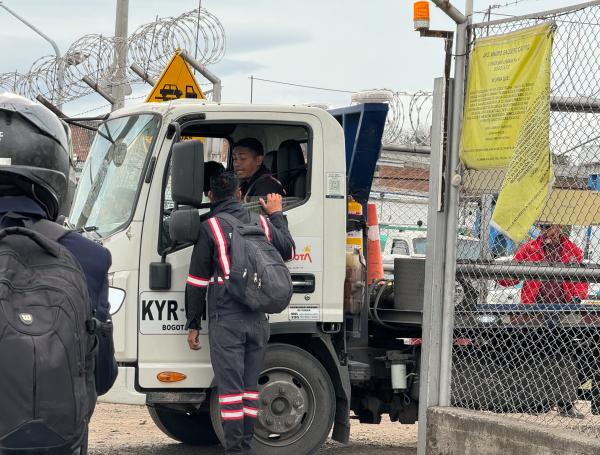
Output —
<point x="340" y="44"/>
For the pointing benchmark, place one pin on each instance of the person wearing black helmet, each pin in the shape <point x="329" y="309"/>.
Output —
<point x="39" y="262"/>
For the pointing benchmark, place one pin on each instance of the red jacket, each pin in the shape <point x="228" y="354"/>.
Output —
<point x="533" y="251"/>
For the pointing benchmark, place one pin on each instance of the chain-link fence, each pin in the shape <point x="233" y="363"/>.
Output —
<point x="400" y="192"/>
<point x="527" y="319"/>
<point x="401" y="182"/>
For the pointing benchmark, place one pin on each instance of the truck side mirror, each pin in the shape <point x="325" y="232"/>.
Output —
<point x="160" y="276"/>
<point x="184" y="225"/>
<point x="187" y="173"/>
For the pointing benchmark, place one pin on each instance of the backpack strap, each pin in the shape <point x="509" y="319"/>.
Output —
<point x="259" y="220"/>
<point x="48" y="229"/>
<point x="229" y="218"/>
<point x="10" y="219"/>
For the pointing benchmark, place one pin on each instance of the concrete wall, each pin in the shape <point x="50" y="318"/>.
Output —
<point x="452" y="431"/>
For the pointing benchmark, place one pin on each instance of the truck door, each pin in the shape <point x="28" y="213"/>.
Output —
<point x="162" y="336"/>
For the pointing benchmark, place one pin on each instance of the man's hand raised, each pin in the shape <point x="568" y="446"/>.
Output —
<point x="274" y="203"/>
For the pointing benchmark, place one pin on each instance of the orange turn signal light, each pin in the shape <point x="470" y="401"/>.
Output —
<point x="170" y="376"/>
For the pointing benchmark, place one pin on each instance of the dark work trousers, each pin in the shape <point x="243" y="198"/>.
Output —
<point x="237" y="352"/>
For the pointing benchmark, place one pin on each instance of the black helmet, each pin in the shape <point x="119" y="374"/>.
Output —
<point x="34" y="152"/>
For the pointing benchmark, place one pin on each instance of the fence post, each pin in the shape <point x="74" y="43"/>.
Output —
<point x="439" y="177"/>
<point x="452" y="209"/>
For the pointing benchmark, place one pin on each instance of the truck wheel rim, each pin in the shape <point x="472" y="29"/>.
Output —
<point x="286" y="407"/>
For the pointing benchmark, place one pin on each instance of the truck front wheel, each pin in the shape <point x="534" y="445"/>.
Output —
<point x="192" y="429"/>
<point x="296" y="405"/>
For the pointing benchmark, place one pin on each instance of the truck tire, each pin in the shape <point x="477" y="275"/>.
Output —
<point x="192" y="429"/>
<point x="296" y="406"/>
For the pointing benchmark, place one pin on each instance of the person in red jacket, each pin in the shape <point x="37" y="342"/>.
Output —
<point x="550" y="247"/>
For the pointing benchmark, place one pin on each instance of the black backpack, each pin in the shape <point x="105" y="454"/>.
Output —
<point x="258" y="276"/>
<point x="47" y="344"/>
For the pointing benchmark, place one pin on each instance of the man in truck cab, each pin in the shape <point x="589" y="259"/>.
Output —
<point x="238" y="335"/>
<point x="256" y="180"/>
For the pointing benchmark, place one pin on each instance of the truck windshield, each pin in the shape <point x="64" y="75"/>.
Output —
<point x="109" y="183"/>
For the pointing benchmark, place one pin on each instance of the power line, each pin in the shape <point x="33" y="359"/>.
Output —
<point x="505" y="5"/>
<point x="103" y="106"/>
<point x="303" y="86"/>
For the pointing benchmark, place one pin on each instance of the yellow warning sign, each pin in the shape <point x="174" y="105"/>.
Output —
<point x="176" y="81"/>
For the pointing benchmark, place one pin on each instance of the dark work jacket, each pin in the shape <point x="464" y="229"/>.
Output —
<point x="261" y="184"/>
<point x="206" y="269"/>
<point x="95" y="261"/>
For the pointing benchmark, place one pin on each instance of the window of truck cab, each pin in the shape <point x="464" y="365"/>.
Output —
<point x="287" y="157"/>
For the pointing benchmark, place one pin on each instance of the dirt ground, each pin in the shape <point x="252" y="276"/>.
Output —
<point x="128" y="429"/>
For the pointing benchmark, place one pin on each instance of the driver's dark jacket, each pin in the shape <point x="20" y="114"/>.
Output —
<point x="206" y="271"/>
<point x="261" y="183"/>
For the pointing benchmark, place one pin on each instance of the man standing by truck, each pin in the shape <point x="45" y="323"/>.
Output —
<point x="238" y="335"/>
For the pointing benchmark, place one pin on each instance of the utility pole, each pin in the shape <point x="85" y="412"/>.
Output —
<point x="120" y="85"/>
<point x="60" y="75"/>
<point x="251" y="88"/>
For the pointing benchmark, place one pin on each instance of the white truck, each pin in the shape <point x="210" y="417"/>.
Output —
<point x="327" y="355"/>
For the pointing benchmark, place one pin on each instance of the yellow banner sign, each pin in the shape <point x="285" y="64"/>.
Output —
<point x="508" y="74"/>
<point x="507" y="122"/>
<point x="176" y="81"/>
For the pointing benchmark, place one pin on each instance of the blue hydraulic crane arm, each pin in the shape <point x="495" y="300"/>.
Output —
<point x="363" y="128"/>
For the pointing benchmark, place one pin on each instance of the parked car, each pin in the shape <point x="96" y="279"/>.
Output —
<point x="412" y="243"/>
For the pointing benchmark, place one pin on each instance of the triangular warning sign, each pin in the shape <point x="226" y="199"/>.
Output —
<point x="176" y="81"/>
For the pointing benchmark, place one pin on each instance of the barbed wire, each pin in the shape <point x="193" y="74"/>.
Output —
<point x="150" y="45"/>
<point x="409" y="119"/>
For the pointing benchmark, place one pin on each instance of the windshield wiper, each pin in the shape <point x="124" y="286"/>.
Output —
<point x="88" y="229"/>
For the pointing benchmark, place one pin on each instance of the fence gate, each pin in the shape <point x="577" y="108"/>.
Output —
<point x="526" y="339"/>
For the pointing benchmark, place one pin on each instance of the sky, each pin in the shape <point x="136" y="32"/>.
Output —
<point x="346" y="45"/>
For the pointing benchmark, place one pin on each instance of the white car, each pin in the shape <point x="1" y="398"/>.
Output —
<point x="413" y="243"/>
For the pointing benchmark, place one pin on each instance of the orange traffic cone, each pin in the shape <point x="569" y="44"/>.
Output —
<point x="374" y="260"/>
